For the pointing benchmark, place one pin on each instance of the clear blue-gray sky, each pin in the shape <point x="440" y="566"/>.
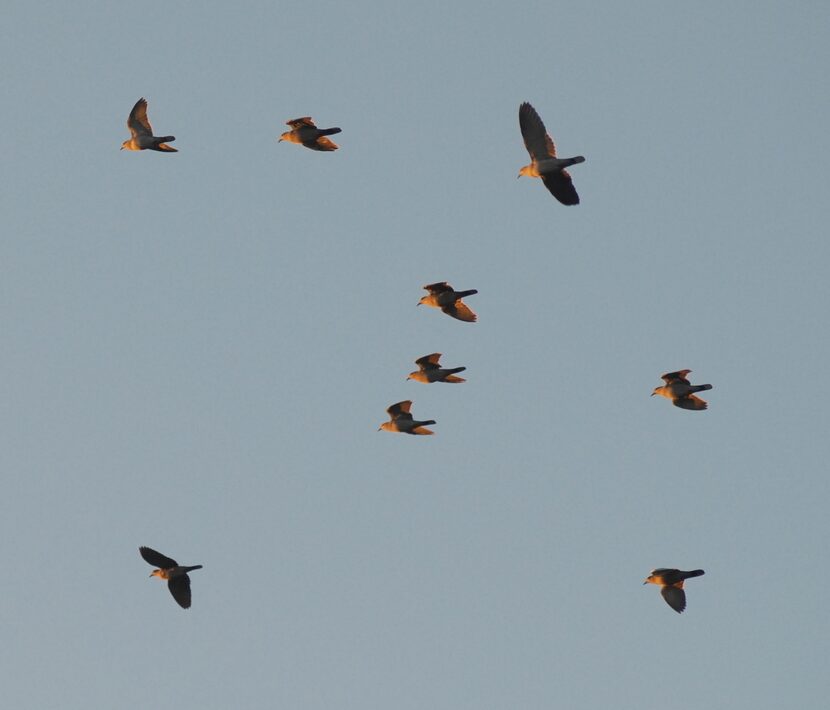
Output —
<point x="198" y="349"/>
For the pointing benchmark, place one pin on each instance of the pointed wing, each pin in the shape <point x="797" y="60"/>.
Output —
<point x="690" y="402"/>
<point x="296" y="123"/>
<point x="400" y="410"/>
<point x="180" y="589"/>
<point x="538" y="143"/>
<point x="679" y="376"/>
<point x="428" y="362"/>
<point x="561" y="186"/>
<point x="156" y="558"/>
<point x="321" y="143"/>
<point x="421" y="430"/>
<point x="137" y="122"/>
<point x="675" y="597"/>
<point x="461" y="311"/>
<point x="438" y="287"/>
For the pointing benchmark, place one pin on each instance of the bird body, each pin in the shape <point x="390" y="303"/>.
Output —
<point x="680" y="391"/>
<point x="544" y="163"/>
<point x="670" y="582"/>
<point x="441" y="295"/>
<point x="304" y="132"/>
<point x="401" y="420"/>
<point x="141" y="132"/>
<point x="430" y="371"/>
<point x="176" y="575"/>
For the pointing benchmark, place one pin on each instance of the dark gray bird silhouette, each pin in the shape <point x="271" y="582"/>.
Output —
<point x="430" y="371"/>
<point x="543" y="161"/>
<point x="680" y="391"/>
<point x="441" y="295"/>
<point x="176" y="575"/>
<point x="671" y="585"/>
<point x="142" y="132"/>
<point x="304" y="132"/>
<point x="400" y="420"/>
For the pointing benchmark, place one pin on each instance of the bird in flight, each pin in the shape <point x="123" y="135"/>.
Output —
<point x="543" y="161"/>
<point x="176" y="575"/>
<point x="142" y="132"/>
<point x="441" y="295"/>
<point x="400" y="420"/>
<point x="304" y="132"/>
<point x="679" y="390"/>
<point x="671" y="585"/>
<point x="430" y="371"/>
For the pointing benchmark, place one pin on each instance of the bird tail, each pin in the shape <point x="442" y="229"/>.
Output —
<point x="453" y="378"/>
<point x="693" y="573"/>
<point x="190" y="569"/>
<point x="329" y="131"/>
<point x="700" y="388"/>
<point x="463" y="294"/>
<point x="576" y="159"/>
<point x="161" y="144"/>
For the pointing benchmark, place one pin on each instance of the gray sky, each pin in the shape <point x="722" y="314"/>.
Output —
<point x="198" y="349"/>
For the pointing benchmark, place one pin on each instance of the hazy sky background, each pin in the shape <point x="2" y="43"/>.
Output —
<point x="199" y="347"/>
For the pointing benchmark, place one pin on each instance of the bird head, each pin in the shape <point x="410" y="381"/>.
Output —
<point x="654" y="578"/>
<point x="157" y="573"/>
<point x="124" y="145"/>
<point x="524" y="171"/>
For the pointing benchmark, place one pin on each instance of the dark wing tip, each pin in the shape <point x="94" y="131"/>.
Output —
<point x="675" y="598"/>
<point x="180" y="589"/>
<point x="561" y="186"/>
<point x="156" y="558"/>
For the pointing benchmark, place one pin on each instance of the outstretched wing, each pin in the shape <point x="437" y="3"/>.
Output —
<point x="679" y="376"/>
<point x="296" y="123"/>
<point x="428" y="362"/>
<point x="690" y="402"/>
<point x="180" y="589"/>
<point x="537" y="141"/>
<point x="400" y="410"/>
<point x="156" y="558"/>
<point x="137" y="122"/>
<point x="460" y="310"/>
<point x="675" y="597"/>
<point x="561" y="186"/>
<point x="438" y="287"/>
<point x="321" y="143"/>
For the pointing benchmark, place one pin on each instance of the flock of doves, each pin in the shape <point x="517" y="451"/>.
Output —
<point x="544" y="164"/>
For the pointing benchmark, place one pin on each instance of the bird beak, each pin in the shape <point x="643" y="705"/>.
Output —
<point x="121" y="148"/>
<point x="653" y="393"/>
